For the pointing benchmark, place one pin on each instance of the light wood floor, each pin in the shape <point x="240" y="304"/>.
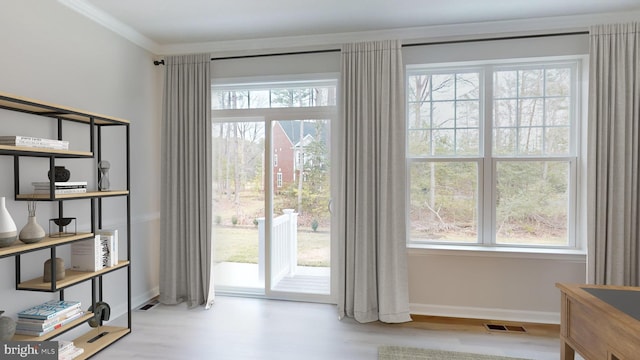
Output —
<point x="247" y="328"/>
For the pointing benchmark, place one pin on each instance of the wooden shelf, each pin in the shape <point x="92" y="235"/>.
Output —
<point x="42" y="108"/>
<point x="88" y="315"/>
<point x="72" y="277"/>
<point x="34" y="151"/>
<point x="88" y="194"/>
<point x="110" y="334"/>
<point x="19" y="247"/>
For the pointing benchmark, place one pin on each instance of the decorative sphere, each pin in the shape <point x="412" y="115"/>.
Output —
<point x="7" y="327"/>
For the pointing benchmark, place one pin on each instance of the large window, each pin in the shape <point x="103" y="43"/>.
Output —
<point x="492" y="154"/>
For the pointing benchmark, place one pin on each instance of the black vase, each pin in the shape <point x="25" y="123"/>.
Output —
<point x="60" y="174"/>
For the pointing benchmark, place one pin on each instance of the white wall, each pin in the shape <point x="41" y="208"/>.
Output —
<point x="54" y="54"/>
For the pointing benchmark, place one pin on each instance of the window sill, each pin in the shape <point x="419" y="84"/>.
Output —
<point x="497" y="251"/>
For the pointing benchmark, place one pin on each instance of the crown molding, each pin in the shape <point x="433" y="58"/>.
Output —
<point x="112" y="24"/>
<point x="332" y="41"/>
<point x="408" y="35"/>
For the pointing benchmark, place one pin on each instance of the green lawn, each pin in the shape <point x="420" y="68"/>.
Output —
<point x="240" y="244"/>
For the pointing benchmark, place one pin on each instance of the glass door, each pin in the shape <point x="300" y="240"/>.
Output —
<point x="238" y="205"/>
<point x="271" y="228"/>
<point x="300" y="244"/>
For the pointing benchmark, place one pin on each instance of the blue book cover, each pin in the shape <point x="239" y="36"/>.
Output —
<point x="49" y="310"/>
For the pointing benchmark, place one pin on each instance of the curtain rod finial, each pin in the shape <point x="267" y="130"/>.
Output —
<point x="158" y="62"/>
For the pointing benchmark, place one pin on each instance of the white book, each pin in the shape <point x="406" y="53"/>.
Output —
<point x="110" y="239"/>
<point x="29" y="141"/>
<point x="61" y="191"/>
<point x="86" y="255"/>
<point x="71" y="354"/>
<point x="59" y="183"/>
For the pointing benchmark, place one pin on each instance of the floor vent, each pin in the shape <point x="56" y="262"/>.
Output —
<point x="505" y="328"/>
<point x="149" y="305"/>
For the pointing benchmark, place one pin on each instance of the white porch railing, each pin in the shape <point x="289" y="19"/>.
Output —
<point x="284" y="246"/>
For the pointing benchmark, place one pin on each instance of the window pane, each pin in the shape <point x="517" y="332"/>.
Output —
<point x="505" y="84"/>
<point x="558" y="82"/>
<point x="443" y="201"/>
<point x="324" y="96"/>
<point x="444" y="115"/>
<point x="443" y="87"/>
<point x="532" y="202"/>
<point x="468" y="86"/>
<point x="557" y="141"/>
<point x="505" y="113"/>
<point x="259" y="99"/>
<point x="531" y="112"/>
<point x="530" y="139"/>
<point x="467" y="141"/>
<point x="419" y="116"/>
<point x="419" y="88"/>
<point x="444" y="142"/>
<point x="531" y="83"/>
<point x="419" y="143"/>
<point x="468" y="114"/>
<point x="504" y="140"/>
<point x="557" y="111"/>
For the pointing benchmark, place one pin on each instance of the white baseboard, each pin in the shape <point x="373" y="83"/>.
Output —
<point x="136" y="302"/>
<point x="485" y="313"/>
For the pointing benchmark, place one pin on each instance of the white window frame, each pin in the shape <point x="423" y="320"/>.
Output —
<point x="487" y="163"/>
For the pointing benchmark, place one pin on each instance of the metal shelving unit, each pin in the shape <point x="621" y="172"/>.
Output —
<point x="95" y="339"/>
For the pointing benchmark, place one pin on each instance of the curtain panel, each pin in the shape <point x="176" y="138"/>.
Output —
<point x="186" y="214"/>
<point x="613" y="167"/>
<point x="370" y="205"/>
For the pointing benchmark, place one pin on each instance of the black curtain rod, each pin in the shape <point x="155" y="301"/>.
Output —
<point x="444" y="42"/>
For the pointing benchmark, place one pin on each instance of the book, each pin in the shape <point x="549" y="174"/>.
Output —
<point x="109" y="239"/>
<point x="71" y="353"/>
<point x="59" y="183"/>
<point x="49" y="309"/>
<point x="87" y="255"/>
<point x="29" y="141"/>
<point x="61" y="191"/>
<point x="29" y="332"/>
<point x="65" y="346"/>
<point x="40" y="325"/>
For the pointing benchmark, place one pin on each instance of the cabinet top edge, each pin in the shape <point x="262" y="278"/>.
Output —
<point x="43" y="108"/>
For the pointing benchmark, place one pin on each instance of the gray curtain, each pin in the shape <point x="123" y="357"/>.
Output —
<point x="370" y="204"/>
<point x="186" y="193"/>
<point x="613" y="141"/>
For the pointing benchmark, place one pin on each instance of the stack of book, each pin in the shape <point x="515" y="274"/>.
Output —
<point x="109" y="243"/>
<point x="67" y="350"/>
<point x="29" y="141"/>
<point x="97" y="253"/>
<point x="68" y="187"/>
<point x="44" y="318"/>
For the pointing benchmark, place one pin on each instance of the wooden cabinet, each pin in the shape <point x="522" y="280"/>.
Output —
<point x="98" y="338"/>
<point x="599" y="322"/>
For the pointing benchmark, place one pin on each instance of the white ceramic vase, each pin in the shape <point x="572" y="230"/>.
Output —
<point x="32" y="232"/>
<point x="8" y="230"/>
